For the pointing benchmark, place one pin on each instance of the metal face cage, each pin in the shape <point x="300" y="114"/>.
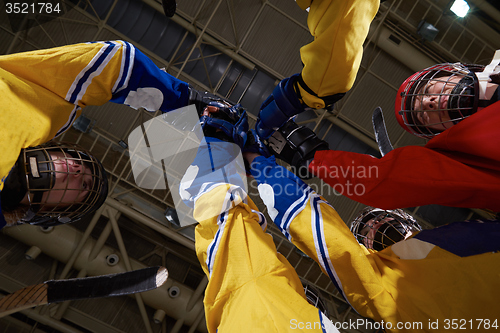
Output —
<point x="436" y="98"/>
<point x="64" y="182"/>
<point x="377" y="228"/>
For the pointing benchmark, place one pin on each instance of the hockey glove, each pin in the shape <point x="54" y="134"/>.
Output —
<point x="296" y="145"/>
<point x="254" y="145"/>
<point x="279" y="107"/>
<point x="225" y="123"/>
<point x="218" y="118"/>
<point x="202" y="99"/>
<point x="218" y="115"/>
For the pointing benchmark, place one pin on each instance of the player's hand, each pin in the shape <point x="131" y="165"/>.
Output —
<point x="226" y="123"/>
<point x="201" y="99"/>
<point x="280" y="106"/>
<point x="296" y="145"/>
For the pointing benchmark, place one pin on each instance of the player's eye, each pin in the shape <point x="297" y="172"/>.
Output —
<point x="86" y="185"/>
<point x="427" y="88"/>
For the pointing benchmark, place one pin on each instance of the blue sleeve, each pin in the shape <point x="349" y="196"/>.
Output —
<point x="217" y="162"/>
<point x="284" y="194"/>
<point x="142" y="83"/>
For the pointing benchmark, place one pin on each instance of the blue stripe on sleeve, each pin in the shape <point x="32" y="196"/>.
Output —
<point x="212" y="248"/>
<point x="91" y="70"/>
<point x="283" y="220"/>
<point x="126" y="68"/>
<point x="323" y="255"/>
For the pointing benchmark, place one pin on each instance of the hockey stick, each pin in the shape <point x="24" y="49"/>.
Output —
<point x="383" y="141"/>
<point x="90" y="287"/>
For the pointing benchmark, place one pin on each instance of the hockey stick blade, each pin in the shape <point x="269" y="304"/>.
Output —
<point x="383" y="141"/>
<point x="54" y="291"/>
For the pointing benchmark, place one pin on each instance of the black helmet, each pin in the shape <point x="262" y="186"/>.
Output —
<point x="56" y="182"/>
<point x="377" y="228"/>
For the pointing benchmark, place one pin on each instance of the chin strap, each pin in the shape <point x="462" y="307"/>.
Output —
<point x="485" y="92"/>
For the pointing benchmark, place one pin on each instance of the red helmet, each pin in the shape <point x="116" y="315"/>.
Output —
<point x="436" y="98"/>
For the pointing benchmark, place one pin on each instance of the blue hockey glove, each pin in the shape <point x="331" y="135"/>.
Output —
<point x="201" y="99"/>
<point x="255" y="145"/>
<point x="225" y="123"/>
<point x="218" y="118"/>
<point x="280" y="106"/>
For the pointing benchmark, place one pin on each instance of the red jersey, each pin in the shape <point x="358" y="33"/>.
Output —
<point x="460" y="167"/>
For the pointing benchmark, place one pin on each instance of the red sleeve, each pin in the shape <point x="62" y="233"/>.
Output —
<point x="475" y="140"/>
<point x="408" y="177"/>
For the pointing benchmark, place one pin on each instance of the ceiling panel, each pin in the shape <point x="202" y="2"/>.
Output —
<point x="278" y="50"/>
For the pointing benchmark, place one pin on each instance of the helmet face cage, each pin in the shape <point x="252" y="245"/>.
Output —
<point x="455" y="90"/>
<point x="64" y="183"/>
<point x="314" y="298"/>
<point x="377" y="228"/>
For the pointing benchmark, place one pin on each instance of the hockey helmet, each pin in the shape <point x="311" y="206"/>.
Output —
<point x="377" y="228"/>
<point x="436" y="98"/>
<point x="57" y="182"/>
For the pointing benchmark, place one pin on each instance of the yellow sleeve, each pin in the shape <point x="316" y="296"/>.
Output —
<point x="332" y="60"/>
<point x="43" y="92"/>
<point x="407" y="283"/>
<point x="319" y="232"/>
<point x="89" y="70"/>
<point x="251" y="287"/>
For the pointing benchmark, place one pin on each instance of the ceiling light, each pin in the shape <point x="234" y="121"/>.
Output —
<point x="460" y="8"/>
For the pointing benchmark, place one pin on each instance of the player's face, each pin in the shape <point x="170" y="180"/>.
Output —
<point x="432" y="103"/>
<point x="72" y="184"/>
<point x="370" y="229"/>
